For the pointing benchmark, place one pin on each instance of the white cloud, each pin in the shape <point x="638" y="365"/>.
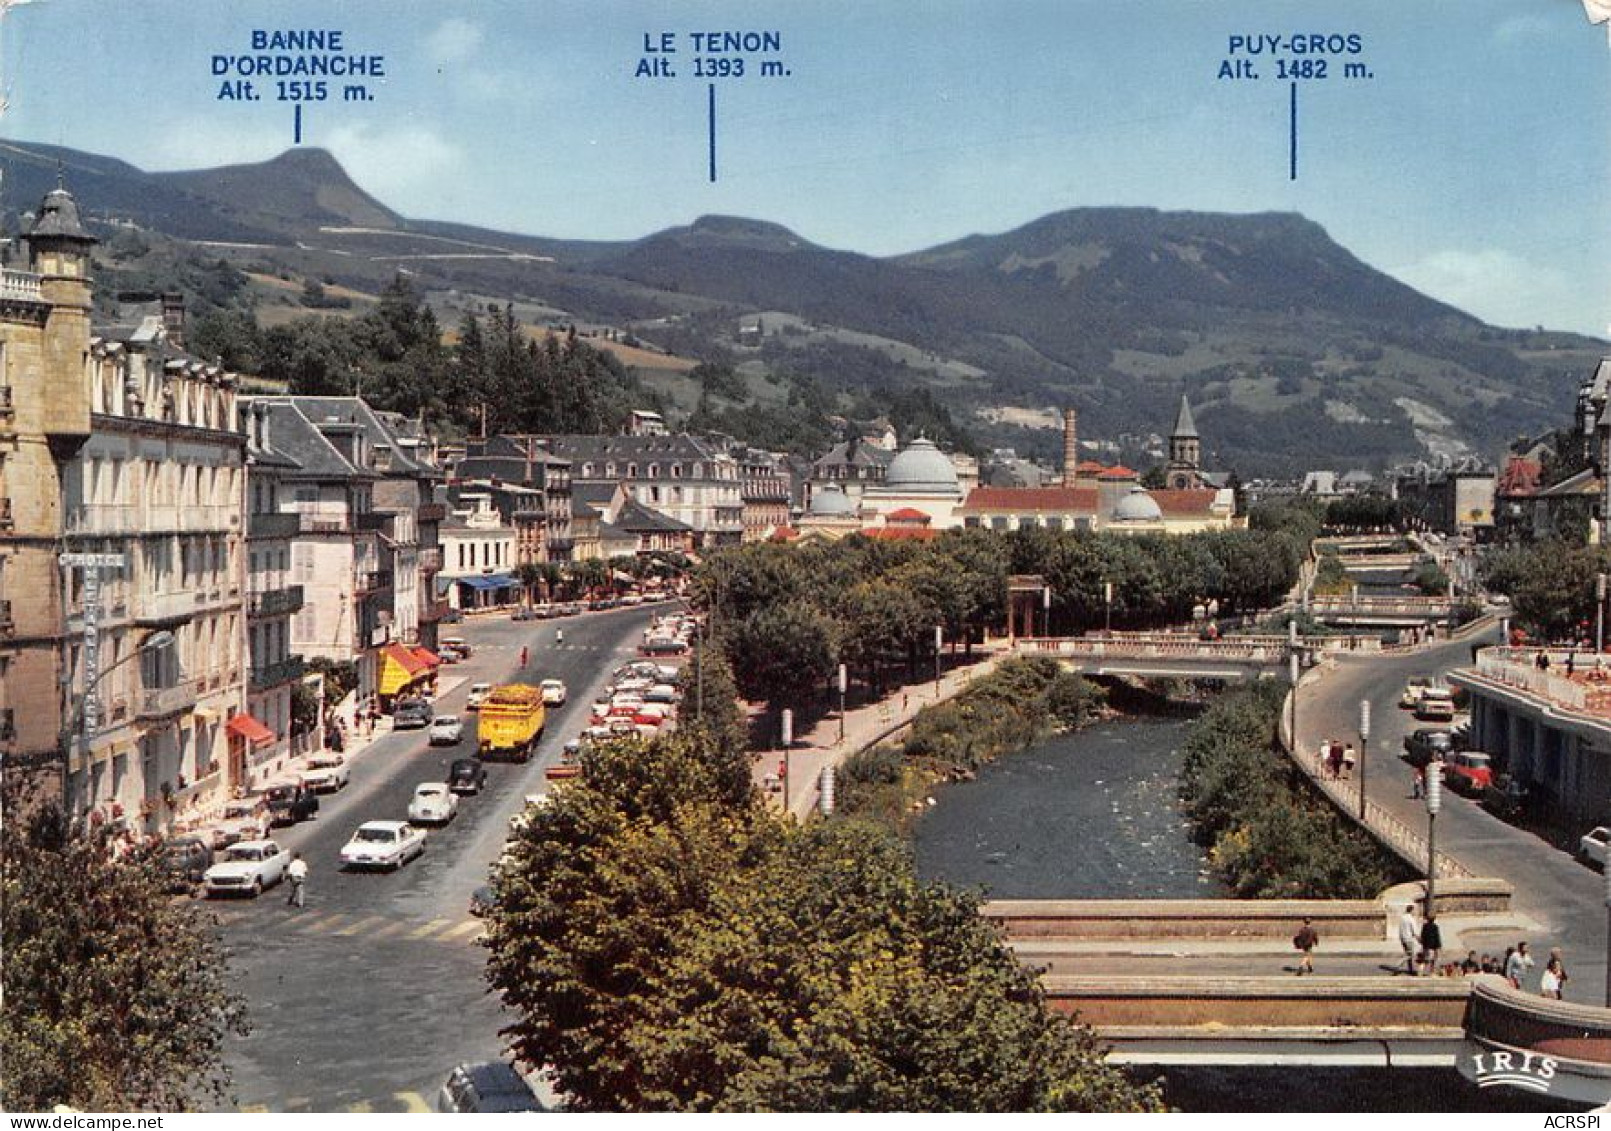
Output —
<point x="1500" y="287"/>
<point x="403" y="166"/>
<point x="206" y="142"/>
<point x="453" y="41"/>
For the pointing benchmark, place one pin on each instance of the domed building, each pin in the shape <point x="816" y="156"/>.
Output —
<point x="832" y="514"/>
<point x="1137" y="509"/>
<point x="920" y="478"/>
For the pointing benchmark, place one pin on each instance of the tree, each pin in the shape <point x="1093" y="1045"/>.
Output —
<point x="784" y="653"/>
<point x="530" y="575"/>
<point x="117" y="997"/>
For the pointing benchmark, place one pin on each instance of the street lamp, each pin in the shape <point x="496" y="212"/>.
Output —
<point x="844" y="683"/>
<point x="1434" y="802"/>
<point x="1364" y="745"/>
<point x="156" y="642"/>
<point x="939" y="642"/>
<point x="1107" y="601"/>
<point x="1292" y="675"/>
<point x="1599" y="613"/>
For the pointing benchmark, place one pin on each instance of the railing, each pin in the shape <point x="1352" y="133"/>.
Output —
<point x="1269" y="650"/>
<point x="278" y="524"/>
<point x="170" y="516"/>
<point x="7" y="624"/>
<point x="160" y="702"/>
<point x="1589" y="694"/>
<point x="374" y="580"/>
<point x="280" y="671"/>
<point x="1371" y="604"/>
<point x="164" y="608"/>
<point x="5" y="513"/>
<point x="275" y="602"/>
<point x="21" y="285"/>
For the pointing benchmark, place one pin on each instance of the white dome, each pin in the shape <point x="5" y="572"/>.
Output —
<point x="921" y="469"/>
<point x="1137" y="506"/>
<point x="832" y="502"/>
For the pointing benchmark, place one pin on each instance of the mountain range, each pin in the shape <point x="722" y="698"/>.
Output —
<point x="1295" y="353"/>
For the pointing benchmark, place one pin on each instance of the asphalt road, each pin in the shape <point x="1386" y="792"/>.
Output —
<point x="1565" y="898"/>
<point x="367" y="997"/>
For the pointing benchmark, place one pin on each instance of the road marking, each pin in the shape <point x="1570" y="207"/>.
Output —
<point x="254" y="1109"/>
<point x="412" y="1102"/>
<point x="468" y="927"/>
<point x="362" y="924"/>
<point x="395" y="927"/>
<point x="328" y="923"/>
<point x="360" y="1106"/>
<point x="430" y="928"/>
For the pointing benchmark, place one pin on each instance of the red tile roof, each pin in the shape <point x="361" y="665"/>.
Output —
<point x="784" y="534"/>
<point x="1117" y="471"/>
<point x="907" y="514"/>
<point x="1093" y="466"/>
<point x="1520" y="476"/>
<point x="1183" y="503"/>
<point x="898" y="533"/>
<point x="1078" y="500"/>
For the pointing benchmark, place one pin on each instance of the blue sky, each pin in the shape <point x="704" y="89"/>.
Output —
<point x="1473" y="165"/>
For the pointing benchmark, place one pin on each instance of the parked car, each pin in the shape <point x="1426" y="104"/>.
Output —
<point x="186" y="860"/>
<point x="288" y="804"/>
<point x="553" y="692"/>
<point x="326" y="773"/>
<point x="664" y="646"/>
<point x="446" y="730"/>
<point x="1436" y="705"/>
<point x="411" y="714"/>
<point x="1592" y="848"/>
<point x="433" y="804"/>
<point x="467" y="775"/>
<point x="247" y="868"/>
<point x="383" y="844"/>
<point x="1413" y="690"/>
<point x="459" y="645"/>
<point x="1468" y="771"/>
<point x="1506" y="798"/>
<point x="524" y="612"/>
<point x="478" y="694"/>
<point x="482" y="900"/>
<point x="490" y="1086"/>
<point x="244" y="819"/>
<point x="1422" y="745"/>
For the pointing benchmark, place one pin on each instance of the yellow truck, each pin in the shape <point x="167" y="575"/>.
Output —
<point x="511" y="721"/>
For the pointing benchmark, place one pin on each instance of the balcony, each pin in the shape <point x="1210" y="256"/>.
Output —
<point x="162" y="702"/>
<point x="281" y="671"/>
<point x="8" y="626"/>
<point x="376" y="521"/>
<point x="274" y="525"/>
<point x="20" y="285"/>
<point x="274" y="602"/>
<point x="374" y="581"/>
<point x="164" y="608"/>
<point x="7" y="404"/>
<point x="431" y="512"/>
<point x="5" y="513"/>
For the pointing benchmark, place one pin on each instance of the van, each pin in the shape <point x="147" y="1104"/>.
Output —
<point x="490" y="1086"/>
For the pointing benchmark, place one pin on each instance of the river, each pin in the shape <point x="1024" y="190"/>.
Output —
<point x="1094" y="815"/>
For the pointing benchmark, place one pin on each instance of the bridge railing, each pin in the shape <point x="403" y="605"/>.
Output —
<point x="1257" y="650"/>
<point x="1376" y="604"/>
<point x="1589" y="693"/>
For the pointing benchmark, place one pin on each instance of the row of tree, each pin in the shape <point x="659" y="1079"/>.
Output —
<point x="667" y="942"/>
<point x="1551" y="585"/>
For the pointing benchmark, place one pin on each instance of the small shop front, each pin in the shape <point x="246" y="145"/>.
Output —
<point x="404" y="673"/>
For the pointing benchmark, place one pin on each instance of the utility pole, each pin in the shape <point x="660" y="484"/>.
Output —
<point x="1434" y="802"/>
<point x="844" y="683"/>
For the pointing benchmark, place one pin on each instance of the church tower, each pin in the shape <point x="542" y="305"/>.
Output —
<point x="1185" y="451"/>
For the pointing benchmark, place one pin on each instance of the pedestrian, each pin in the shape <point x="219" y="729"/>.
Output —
<point x="559" y="636"/>
<point x="1517" y="963"/>
<point x="1571" y="664"/>
<point x="522" y="655"/>
<point x="1431" y="941"/>
<point x="1471" y="965"/>
<point x="1542" y="662"/>
<point x="1553" y="979"/>
<point x="1417" y="783"/>
<point x="1556" y="957"/>
<point x="1409" y="938"/>
<point x="1305" y="941"/>
<point x="1349" y="760"/>
<point x="1336" y="759"/>
<point x="297" y="874"/>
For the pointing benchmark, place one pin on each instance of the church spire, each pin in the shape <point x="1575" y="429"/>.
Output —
<point x="1185" y="426"/>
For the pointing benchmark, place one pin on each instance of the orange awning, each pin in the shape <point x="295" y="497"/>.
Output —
<point x="246" y="727"/>
<point x="428" y="657"/>
<point x="399" y="668"/>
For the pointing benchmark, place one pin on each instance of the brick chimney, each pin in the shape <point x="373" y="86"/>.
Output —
<point x="173" y="317"/>
<point x="1071" y="446"/>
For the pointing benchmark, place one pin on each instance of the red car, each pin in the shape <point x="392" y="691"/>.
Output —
<point x="1468" y="771"/>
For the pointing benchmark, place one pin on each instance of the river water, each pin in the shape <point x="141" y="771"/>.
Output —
<point x="1094" y="815"/>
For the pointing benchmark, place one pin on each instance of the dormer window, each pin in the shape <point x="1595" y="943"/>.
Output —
<point x="654" y="471"/>
<point x="676" y="471"/>
<point x="632" y="471"/>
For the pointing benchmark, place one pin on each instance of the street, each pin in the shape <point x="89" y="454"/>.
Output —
<point x="368" y="997"/>
<point x="1564" y="897"/>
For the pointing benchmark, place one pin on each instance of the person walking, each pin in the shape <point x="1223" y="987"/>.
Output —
<point x="523" y="655"/>
<point x="1559" y="960"/>
<point x="1349" y="760"/>
<point x="1409" y="939"/>
<point x="1553" y="979"/>
<point x="1431" y="942"/>
<point x="297" y="875"/>
<point x="559" y="636"/>
<point x="1517" y="963"/>
<point x="1306" y="940"/>
<point x="1417" y="783"/>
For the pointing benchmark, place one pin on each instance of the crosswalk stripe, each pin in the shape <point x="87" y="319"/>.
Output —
<point x="468" y="927"/>
<point x="396" y="926"/>
<point x="361" y="925"/>
<point x="430" y="928"/>
<point x="327" y="924"/>
<point x="412" y="1102"/>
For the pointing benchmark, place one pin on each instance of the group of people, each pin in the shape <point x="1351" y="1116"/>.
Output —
<point x="1338" y="759"/>
<point x="1596" y="673"/>
<point x="1422" y="942"/>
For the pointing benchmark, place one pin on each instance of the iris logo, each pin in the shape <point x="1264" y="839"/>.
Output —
<point x="1525" y="1070"/>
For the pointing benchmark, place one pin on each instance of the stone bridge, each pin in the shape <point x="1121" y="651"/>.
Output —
<point x="1184" y="655"/>
<point x="1382" y="612"/>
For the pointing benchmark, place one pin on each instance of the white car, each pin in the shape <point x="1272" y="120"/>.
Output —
<point x="478" y="695"/>
<point x="1592" y="848"/>
<point x="247" y="868"/>
<point x="553" y="692"/>
<point x="434" y="803"/>
<point x="446" y="730"/>
<point x="326" y="773"/>
<point x="383" y="844"/>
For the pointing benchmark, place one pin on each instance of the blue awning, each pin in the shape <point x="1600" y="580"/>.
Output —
<point x="490" y="581"/>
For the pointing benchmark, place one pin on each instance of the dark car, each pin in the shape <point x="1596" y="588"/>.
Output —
<point x="1506" y="798"/>
<point x="489" y="1086"/>
<point x="482" y="900"/>
<point x="288" y="804"/>
<point x="411" y="714"/>
<point x="1427" y="743"/>
<point x="467" y="775"/>
<point x="185" y="858"/>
